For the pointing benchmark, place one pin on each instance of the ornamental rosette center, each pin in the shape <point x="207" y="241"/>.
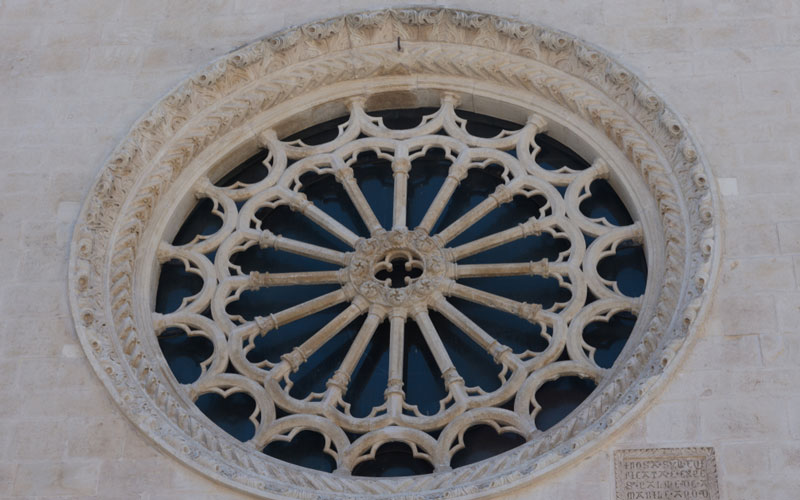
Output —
<point x="398" y="268"/>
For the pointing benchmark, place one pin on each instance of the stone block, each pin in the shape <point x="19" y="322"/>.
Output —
<point x="796" y="262"/>
<point x="60" y="36"/>
<point x="775" y="351"/>
<point x="760" y="274"/>
<point x="757" y="488"/>
<point x="737" y="459"/>
<point x="770" y="153"/>
<point x="751" y="240"/>
<point x="96" y="437"/>
<point x="718" y="94"/>
<point x="32" y="439"/>
<point x="743" y="419"/>
<point x="673" y="422"/>
<point x="136" y="446"/>
<point x="727" y="33"/>
<point x="648" y="38"/>
<point x="789" y="236"/>
<point x="690" y="11"/>
<point x="768" y="178"/>
<point x="728" y="186"/>
<point x="133" y="476"/>
<point x="751" y="209"/>
<point x="688" y="384"/>
<point x="41" y="478"/>
<point x="769" y="382"/>
<point x="7" y="473"/>
<point x="126" y="32"/>
<point x="718" y="60"/>
<point x="792" y="408"/>
<point x="634" y="434"/>
<point x="729" y="353"/>
<point x="630" y="12"/>
<point x="765" y="94"/>
<point x="8" y="373"/>
<point x="784" y="457"/>
<point x="75" y="403"/>
<point x="34" y="336"/>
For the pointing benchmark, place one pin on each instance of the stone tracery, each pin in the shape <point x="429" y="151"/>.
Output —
<point x="438" y="271"/>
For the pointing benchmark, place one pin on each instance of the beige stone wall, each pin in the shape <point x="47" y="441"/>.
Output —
<point x="75" y="75"/>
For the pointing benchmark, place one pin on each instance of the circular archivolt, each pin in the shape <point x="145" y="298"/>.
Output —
<point x="197" y="151"/>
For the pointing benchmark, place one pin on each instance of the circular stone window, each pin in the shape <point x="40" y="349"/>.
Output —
<point x="336" y="264"/>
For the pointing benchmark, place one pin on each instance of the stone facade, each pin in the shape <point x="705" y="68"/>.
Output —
<point x="76" y="75"/>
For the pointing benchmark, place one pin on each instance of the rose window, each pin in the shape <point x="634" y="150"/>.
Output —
<point x="399" y="291"/>
<point x="405" y="253"/>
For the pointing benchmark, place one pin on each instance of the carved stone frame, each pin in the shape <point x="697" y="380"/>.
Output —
<point x="496" y="65"/>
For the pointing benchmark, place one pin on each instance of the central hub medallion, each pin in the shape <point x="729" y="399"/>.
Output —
<point x="398" y="268"/>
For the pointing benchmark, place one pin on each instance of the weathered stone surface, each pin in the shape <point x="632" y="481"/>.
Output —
<point x="59" y="119"/>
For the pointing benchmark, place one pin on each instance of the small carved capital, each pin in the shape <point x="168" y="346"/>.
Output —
<point x="266" y="323"/>
<point x="401" y="166"/>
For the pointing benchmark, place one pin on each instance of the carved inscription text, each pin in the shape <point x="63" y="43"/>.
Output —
<point x="666" y="474"/>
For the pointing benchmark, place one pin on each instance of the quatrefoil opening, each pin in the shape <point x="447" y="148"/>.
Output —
<point x="398" y="268"/>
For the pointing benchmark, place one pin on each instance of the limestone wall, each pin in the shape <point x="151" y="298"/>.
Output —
<point x="75" y="75"/>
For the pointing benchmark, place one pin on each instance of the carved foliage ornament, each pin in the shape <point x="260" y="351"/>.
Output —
<point x="351" y="65"/>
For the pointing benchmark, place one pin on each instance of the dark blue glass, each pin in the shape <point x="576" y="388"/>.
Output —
<point x="231" y="413"/>
<point x="609" y="338"/>
<point x="184" y="354"/>
<point x="559" y="397"/>
<point x="175" y="284"/>
<point x="482" y="442"/>
<point x="201" y="221"/>
<point x="306" y="449"/>
<point x="393" y="460"/>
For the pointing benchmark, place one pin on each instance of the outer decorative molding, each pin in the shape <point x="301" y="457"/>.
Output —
<point x="211" y="117"/>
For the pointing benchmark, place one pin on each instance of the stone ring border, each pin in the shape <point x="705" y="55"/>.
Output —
<point x="579" y="77"/>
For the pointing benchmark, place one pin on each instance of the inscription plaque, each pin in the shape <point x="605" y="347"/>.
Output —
<point x="666" y="474"/>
